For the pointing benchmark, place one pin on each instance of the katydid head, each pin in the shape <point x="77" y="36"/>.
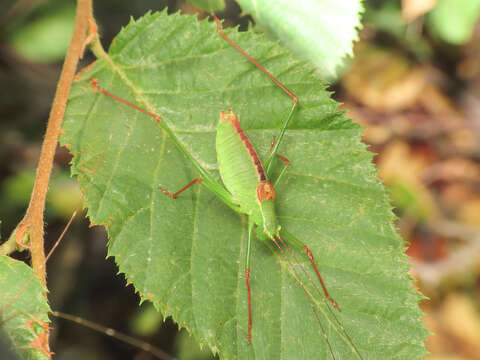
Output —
<point x="266" y="199"/>
<point x="271" y="227"/>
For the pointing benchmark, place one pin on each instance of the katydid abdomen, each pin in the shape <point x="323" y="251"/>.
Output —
<point x="243" y="174"/>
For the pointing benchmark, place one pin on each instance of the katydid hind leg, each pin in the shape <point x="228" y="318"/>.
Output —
<point x="313" y="263"/>
<point x="295" y="101"/>
<point x="207" y="180"/>
<point x="309" y="296"/>
<point x="326" y="296"/>
<point x="174" y="195"/>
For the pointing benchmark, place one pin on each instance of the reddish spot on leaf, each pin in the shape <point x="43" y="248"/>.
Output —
<point x="41" y="340"/>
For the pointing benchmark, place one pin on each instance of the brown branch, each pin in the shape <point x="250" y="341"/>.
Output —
<point x="31" y="225"/>
<point x="140" y="344"/>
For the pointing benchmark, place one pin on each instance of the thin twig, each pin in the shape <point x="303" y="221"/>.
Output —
<point x="31" y="226"/>
<point x="140" y="344"/>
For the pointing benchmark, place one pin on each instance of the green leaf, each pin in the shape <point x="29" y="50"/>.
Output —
<point x="187" y="255"/>
<point x="147" y="321"/>
<point x="454" y="21"/>
<point x="322" y="31"/>
<point x="63" y="196"/>
<point x="386" y="16"/>
<point x="23" y="308"/>
<point x="209" y="5"/>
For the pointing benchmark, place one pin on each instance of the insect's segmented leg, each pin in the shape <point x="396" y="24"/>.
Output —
<point x="207" y="180"/>
<point x="327" y="295"/>
<point x="284" y="159"/>
<point x="312" y="261"/>
<point x="247" y="278"/>
<point x="174" y="196"/>
<point x="309" y="296"/>
<point x="96" y="86"/>
<point x="314" y="265"/>
<point x="268" y="163"/>
<point x="253" y="61"/>
<point x="287" y="164"/>
<point x="281" y="157"/>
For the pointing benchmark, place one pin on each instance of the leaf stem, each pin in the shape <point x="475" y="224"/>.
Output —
<point x="10" y="245"/>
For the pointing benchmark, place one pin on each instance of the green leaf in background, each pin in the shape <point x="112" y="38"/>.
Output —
<point x="322" y="31"/>
<point x="62" y="199"/>
<point x="23" y="308"/>
<point x="386" y="16"/>
<point x="209" y="5"/>
<point x="46" y="39"/>
<point x="187" y="255"/>
<point x="146" y="321"/>
<point x="188" y="349"/>
<point x="453" y="21"/>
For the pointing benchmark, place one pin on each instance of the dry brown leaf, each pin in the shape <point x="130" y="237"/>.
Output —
<point x="453" y="169"/>
<point x="412" y="9"/>
<point x="383" y="80"/>
<point x="469" y="212"/>
<point x="462" y="320"/>
<point x="398" y="162"/>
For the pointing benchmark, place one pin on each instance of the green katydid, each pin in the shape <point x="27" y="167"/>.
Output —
<point x="247" y="189"/>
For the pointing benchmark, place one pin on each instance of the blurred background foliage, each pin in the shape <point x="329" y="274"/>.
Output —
<point x="414" y="83"/>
